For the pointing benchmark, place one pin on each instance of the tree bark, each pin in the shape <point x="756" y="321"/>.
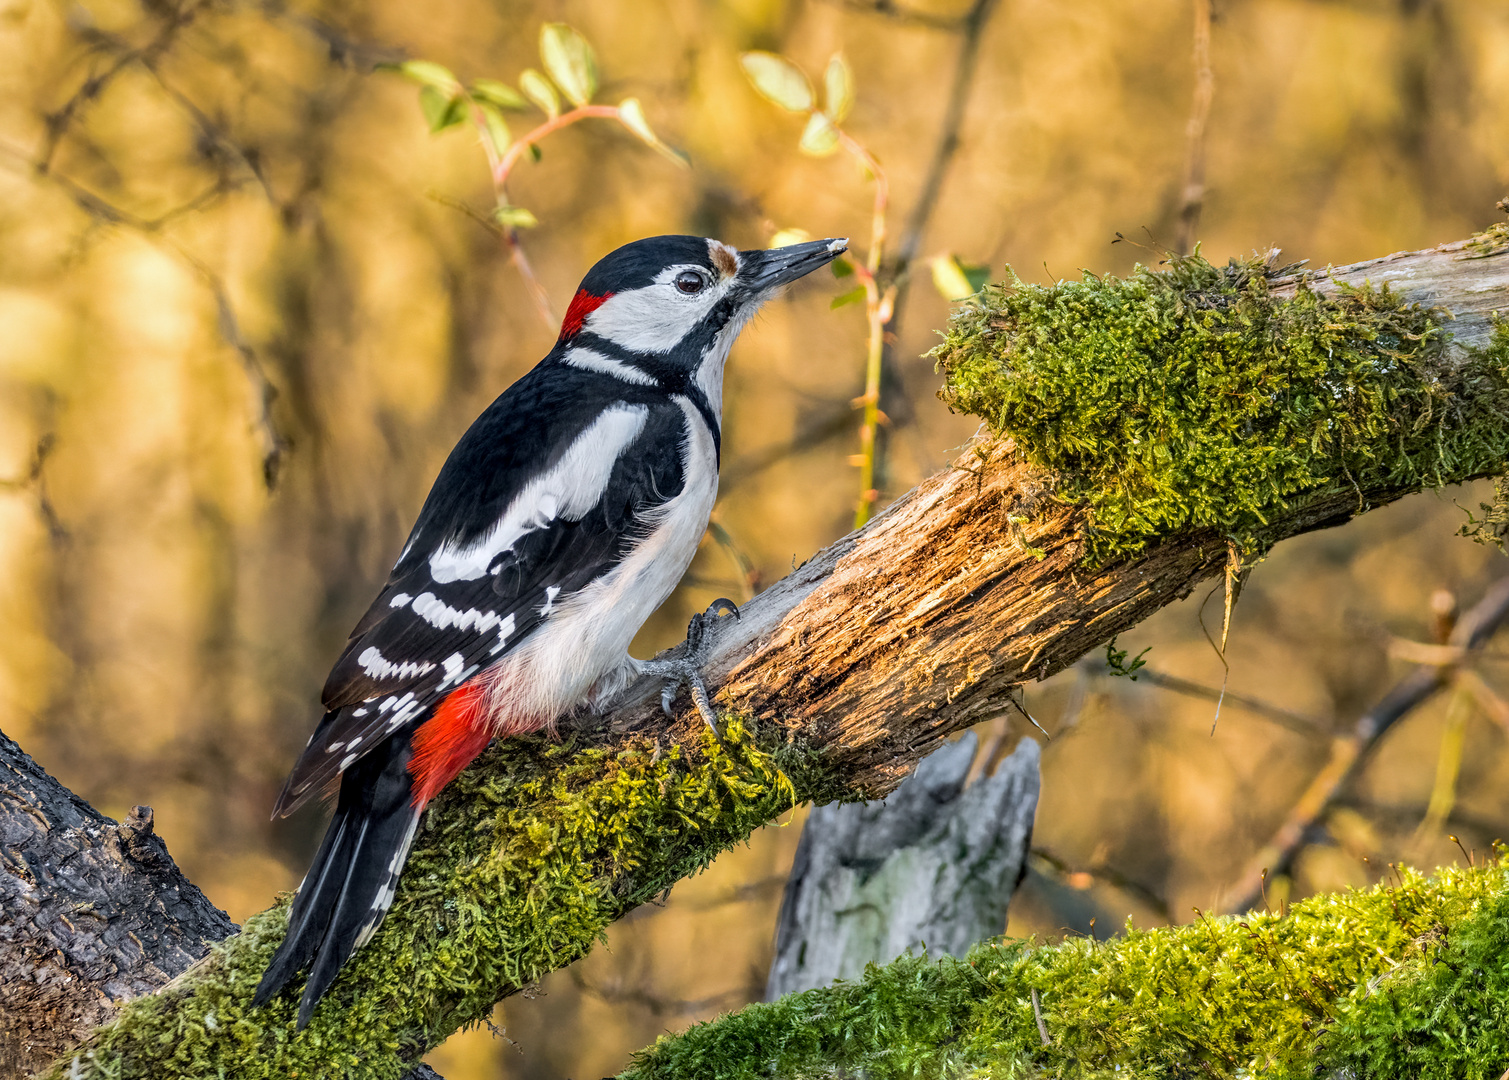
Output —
<point x="92" y="913"/>
<point x="914" y="627"/>
<point x="932" y="868"/>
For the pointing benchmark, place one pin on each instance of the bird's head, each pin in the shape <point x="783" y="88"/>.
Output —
<point x="677" y="302"/>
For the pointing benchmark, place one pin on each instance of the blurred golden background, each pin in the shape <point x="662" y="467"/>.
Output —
<point x="230" y="252"/>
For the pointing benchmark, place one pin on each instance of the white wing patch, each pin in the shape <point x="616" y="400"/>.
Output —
<point x="442" y="616"/>
<point x="588" y="360"/>
<point x="377" y="667"/>
<point x="569" y="490"/>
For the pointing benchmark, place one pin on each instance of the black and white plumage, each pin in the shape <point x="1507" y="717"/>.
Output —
<point x="562" y="519"/>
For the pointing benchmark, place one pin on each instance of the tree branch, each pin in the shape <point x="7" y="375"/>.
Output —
<point x="837" y="680"/>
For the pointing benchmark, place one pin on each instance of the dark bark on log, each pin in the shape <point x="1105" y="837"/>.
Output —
<point x="932" y="867"/>
<point x="92" y="913"/>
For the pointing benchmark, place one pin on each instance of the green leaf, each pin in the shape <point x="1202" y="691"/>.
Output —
<point x="978" y="275"/>
<point x="841" y="267"/>
<point x="497" y="128"/>
<point x="514" y="217"/>
<point x="498" y="93"/>
<point x="820" y="137"/>
<point x="631" y="115"/>
<point x="838" y="88"/>
<point x="440" y="111"/>
<point x="538" y="89"/>
<point x="950" y="279"/>
<point x="569" y="60"/>
<point x="778" y="80"/>
<point x="854" y="295"/>
<point x="428" y="73"/>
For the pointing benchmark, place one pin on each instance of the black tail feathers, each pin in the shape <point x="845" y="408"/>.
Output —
<point x="350" y="885"/>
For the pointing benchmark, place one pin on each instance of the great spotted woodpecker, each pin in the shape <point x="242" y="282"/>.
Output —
<point x="562" y="519"/>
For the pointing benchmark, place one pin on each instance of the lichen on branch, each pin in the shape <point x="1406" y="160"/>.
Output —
<point x="519" y="867"/>
<point x="1194" y="398"/>
<point x="1401" y="980"/>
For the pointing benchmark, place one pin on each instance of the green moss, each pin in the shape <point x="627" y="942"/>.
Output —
<point x="1493" y="526"/>
<point x="1192" y="398"/>
<point x="519" y="867"/>
<point x="1402" y="981"/>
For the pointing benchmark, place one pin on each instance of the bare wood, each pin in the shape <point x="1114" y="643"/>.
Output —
<point x="924" y="621"/>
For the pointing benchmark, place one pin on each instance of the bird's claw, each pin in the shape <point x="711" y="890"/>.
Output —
<point x="688" y="669"/>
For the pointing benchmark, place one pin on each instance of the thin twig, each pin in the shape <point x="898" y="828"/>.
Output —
<point x="1192" y="194"/>
<point x="971" y="30"/>
<point x="1037" y="1011"/>
<point x="1351" y="753"/>
<point x="1296" y="722"/>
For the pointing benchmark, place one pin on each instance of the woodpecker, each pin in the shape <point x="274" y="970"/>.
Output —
<point x="562" y="519"/>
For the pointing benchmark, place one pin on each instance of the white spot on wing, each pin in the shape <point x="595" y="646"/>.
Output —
<point x="347" y="761"/>
<point x="400" y="600"/>
<point x="505" y="631"/>
<point x="551" y="592"/>
<point x="377" y="667"/>
<point x="569" y="490"/>
<point x="442" y="616"/>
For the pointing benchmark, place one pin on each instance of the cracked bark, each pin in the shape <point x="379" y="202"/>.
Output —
<point x="92" y="913"/>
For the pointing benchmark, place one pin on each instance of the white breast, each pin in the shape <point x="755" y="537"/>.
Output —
<point x="585" y="641"/>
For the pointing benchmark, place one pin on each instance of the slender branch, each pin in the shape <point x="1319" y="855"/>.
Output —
<point x="1351" y="753"/>
<point x="1192" y="194"/>
<point x="1297" y="722"/>
<point x="511" y="157"/>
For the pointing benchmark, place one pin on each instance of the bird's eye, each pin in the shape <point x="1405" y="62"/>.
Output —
<point x="689" y="282"/>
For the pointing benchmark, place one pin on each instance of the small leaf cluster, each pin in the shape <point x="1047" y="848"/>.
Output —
<point x="1116" y="661"/>
<point x="1195" y="399"/>
<point x="1409" y="980"/>
<point x="570" y="73"/>
<point x="780" y="81"/>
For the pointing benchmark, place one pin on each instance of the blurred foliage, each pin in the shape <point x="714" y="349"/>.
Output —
<point x="1191" y="398"/>
<point x="1402" y="980"/>
<point x="232" y="254"/>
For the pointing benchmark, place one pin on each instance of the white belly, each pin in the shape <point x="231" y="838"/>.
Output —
<point x="585" y="639"/>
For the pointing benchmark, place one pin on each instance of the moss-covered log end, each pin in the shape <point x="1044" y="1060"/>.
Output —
<point x="1195" y="398"/>
<point x="1402" y="980"/>
<point x="519" y="867"/>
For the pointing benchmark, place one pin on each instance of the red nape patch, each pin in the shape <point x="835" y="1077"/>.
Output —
<point x="582" y="305"/>
<point x="447" y="742"/>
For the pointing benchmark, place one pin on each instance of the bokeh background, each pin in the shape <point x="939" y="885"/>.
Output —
<point x="228" y="245"/>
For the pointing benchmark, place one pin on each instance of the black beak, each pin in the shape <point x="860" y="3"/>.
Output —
<point x="761" y="271"/>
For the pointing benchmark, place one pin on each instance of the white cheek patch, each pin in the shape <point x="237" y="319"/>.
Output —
<point x="569" y="490"/>
<point x="650" y="320"/>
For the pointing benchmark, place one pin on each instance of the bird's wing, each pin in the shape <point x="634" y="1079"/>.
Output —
<point x="539" y="499"/>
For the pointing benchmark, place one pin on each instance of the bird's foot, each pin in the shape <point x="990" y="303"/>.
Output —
<point x="688" y="669"/>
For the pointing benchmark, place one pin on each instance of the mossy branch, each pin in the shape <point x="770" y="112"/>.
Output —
<point x="1407" y="979"/>
<point x="1030" y="552"/>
